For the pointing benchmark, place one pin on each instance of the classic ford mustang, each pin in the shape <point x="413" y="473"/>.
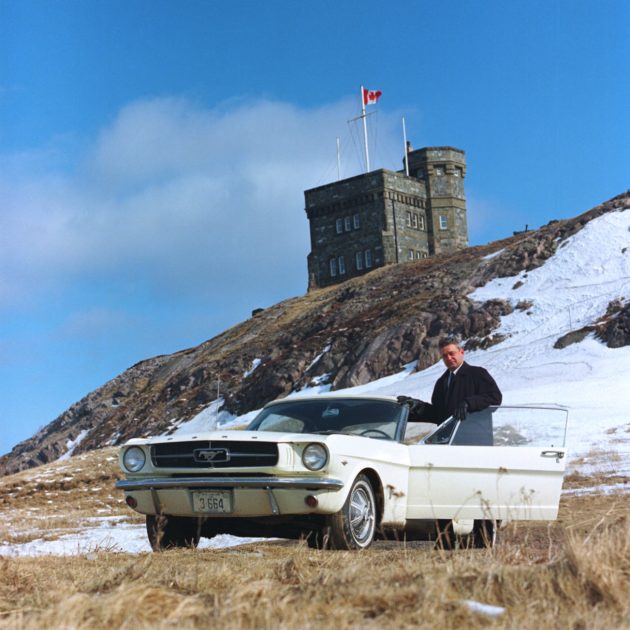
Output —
<point x="341" y="471"/>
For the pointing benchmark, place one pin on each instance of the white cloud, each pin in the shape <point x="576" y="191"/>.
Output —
<point x="177" y="196"/>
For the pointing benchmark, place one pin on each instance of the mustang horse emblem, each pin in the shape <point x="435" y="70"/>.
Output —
<point x="211" y="455"/>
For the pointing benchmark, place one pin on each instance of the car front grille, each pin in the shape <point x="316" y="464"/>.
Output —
<point x="217" y="454"/>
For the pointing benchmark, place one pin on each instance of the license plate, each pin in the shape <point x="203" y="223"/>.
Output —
<point x="212" y="501"/>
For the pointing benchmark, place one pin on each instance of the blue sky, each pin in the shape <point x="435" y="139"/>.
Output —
<point x="137" y="137"/>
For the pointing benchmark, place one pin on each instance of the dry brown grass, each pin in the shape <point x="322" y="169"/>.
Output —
<point x="573" y="573"/>
<point x="51" y="500"/>
<point x="582" y="585"/>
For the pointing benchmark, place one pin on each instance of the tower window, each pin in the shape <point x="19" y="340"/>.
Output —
<point x="414" y="221"/>
<point x="410" y="254"/>
<point x="408" y="219"/>
<point x="368" y="258"/>
<point x="348" y="223"/>
<point x="443" y="222"/>
<point x="439" y="170"/>
<point x="342" y="265"/>
<point x="333" y="267"/>
<point x="421" y="224"/>
<point x="358" y="260"/>
<point x="339" y="225"/>
<point x="357" y="221"/>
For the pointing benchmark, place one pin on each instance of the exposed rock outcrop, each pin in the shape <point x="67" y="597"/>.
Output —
<point x="615" y="329"/>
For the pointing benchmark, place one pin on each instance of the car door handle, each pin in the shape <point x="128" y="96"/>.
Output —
<point x="557" y="454"/>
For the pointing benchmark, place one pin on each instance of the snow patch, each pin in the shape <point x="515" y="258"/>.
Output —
<point x="110" y="534"/>
<point x="208" y="419"/>
<point x="494" y="254"/>
<point x="622" y="488"/>
<point x="318" y="357"/>
<point x="255" y="364"/>
<point x="484" y="609"/>
<point x="322" y="379"/>
<point x="72" y="445"/>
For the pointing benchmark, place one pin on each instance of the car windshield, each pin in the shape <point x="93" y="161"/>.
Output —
<point x="369" y="418"/>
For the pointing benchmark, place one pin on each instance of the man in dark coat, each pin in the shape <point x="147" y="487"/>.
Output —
<point x="461" y="389"/>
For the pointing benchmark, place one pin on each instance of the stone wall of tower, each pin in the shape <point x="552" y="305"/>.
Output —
<point x="364" y="222"/>
<point x="443" y="170"/>
<point x="405" y="224"/>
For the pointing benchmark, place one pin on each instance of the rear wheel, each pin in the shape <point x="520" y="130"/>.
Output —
<point x="354" y="525"/>
<point x="170" y="532"/>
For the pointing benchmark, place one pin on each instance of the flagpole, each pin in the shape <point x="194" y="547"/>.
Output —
<point x="405" y="151"/>
<point x="338" y="161"/>
<point x="365" y="136"/>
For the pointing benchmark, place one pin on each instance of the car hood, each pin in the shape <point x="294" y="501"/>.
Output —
<point x="235" y="436"/>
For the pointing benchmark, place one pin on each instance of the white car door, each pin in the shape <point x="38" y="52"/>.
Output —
<point x="504" y="463"/>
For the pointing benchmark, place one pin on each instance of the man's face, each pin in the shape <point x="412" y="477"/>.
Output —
<point x="452" y="356"/>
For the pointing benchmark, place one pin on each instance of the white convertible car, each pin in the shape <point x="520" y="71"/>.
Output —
<point x="341" y="471"/>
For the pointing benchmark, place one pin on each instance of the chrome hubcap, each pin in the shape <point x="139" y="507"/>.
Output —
<point x="361" y="514"/>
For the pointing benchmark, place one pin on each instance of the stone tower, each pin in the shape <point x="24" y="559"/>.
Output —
<point x="443" y="169"/>
<point x="386" y="217"/>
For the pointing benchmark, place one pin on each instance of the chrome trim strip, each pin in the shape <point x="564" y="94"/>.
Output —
<point x="231" y="482"/>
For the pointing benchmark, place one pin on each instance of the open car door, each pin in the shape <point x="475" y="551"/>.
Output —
<point x="502" y="463"/>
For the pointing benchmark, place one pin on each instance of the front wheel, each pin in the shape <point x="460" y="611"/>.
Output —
<point x="170" y="532"/>
<point x="354" y="525"/>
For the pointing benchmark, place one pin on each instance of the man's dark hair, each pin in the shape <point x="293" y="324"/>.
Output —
<point x="449" y="340"/>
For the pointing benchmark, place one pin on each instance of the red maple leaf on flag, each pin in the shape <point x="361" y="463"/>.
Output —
<point x="370" y="96"/>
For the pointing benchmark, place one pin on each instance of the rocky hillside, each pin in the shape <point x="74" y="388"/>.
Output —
<point x="345" y="335"/>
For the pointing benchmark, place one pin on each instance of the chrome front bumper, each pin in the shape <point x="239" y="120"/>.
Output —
<point x="305" y="483"/>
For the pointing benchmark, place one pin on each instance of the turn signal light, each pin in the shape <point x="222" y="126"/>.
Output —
<point x="131" y="502"/>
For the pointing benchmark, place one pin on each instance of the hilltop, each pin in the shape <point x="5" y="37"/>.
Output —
<point x="342" y="336"/>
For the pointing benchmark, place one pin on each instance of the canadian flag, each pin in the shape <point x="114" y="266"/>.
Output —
<point x="370" y="96"/>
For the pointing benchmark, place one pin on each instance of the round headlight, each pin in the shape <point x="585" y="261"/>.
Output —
<point x="315" y="456"/>
<point x="134" y="459"/>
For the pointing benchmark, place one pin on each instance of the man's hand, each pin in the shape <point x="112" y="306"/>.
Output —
<point x="460" y="412"/>
<point x="406" y="400"/>
<point x="416" y="406"/>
